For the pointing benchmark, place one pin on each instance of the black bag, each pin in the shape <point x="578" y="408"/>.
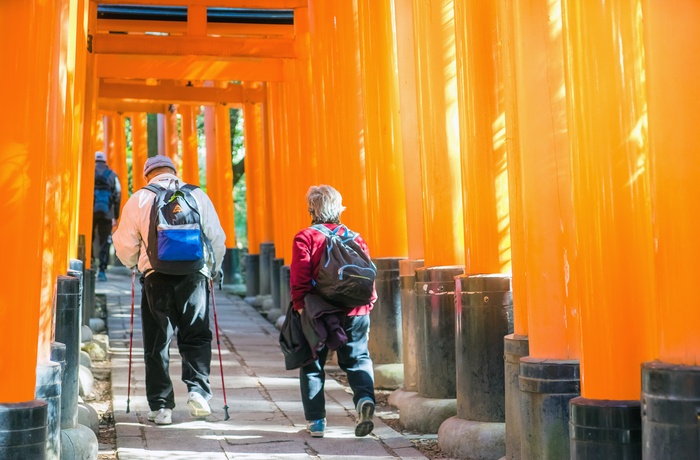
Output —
<point x="103" y="194"/>
<point x="345" y="274"/>
<point x="175" y="236"/>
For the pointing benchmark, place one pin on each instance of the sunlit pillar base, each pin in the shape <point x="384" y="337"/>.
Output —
<point x="515" y="347"/>
<point x="546" y="388"/>
<point x="670" y="411"/>
<point x="605" y="429"/>
<point x="407" y="282"/>
<point x="48" y="389"/>
<point x="422" y="415"/>
<point x="386" y="339"/>
<point x="470" y="439"/>
<point x="435" y="301"/>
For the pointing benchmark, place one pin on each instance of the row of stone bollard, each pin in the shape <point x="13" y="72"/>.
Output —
<point x="72" y="426"/>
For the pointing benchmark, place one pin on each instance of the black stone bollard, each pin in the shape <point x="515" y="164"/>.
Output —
<point x="670" y="411"/>
<point x="23" y="430"/>
<point x="89" y="295"/>
<point x="48" y="388"/>
<point x="68" y="332"/>
<point x="285" y="296"/>
<point x="77" y="270"/>
<point x="514" y="348"/>
<point x="435" y="306"/>
<point x="276" y="265"/>
<point x="386" y="338"/>
<point x="605" y="429"/>
<point x="231" y="266"/>
<point x="252" y="269"/>
<point x="267" y="254"/>
<point x="409" y="331"/>
<point x="484" y="316"/>
<point x="546" y="388"/>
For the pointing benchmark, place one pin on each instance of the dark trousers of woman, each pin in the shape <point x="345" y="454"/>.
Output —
<point x="353" y="358"/>
<point x="170" y="303"/>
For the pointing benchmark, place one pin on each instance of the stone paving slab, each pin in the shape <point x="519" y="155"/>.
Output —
<point x="266" y="415"/>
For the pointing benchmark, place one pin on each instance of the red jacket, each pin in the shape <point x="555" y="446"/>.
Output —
<point x="307" y="249"/>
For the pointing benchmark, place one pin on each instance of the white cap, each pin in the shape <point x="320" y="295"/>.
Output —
<point x="100" y="156"/>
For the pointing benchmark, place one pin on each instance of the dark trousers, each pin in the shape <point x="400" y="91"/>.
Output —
<point x="353" y="358"/>
<point x="171" y="302"/>
<point x="101" y="233"/>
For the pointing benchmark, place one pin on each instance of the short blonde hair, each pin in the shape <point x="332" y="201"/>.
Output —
<point x="325" y="204"/>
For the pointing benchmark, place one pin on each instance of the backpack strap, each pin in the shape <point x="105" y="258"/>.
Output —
<point x="155" y="188"/>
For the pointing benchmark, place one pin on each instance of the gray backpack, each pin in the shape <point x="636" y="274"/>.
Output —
<point x="345" y="274"/>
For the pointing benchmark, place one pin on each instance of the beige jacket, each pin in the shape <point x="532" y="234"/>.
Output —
<point x="131" y="237"/>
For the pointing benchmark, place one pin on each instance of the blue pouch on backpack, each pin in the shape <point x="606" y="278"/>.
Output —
<point x="179" y="242"/>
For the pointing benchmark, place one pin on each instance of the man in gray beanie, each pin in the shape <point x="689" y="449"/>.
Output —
<point x="170" y="301"/>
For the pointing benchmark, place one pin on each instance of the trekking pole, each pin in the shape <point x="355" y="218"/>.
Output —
<point x="218" y="344"/>
<point x="131" y="338"/>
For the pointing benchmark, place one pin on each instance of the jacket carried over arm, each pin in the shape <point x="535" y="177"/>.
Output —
<point x="131" y="237"/>
<point x="307" y="249"/>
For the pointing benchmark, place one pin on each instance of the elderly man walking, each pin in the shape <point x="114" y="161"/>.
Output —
<point x="175" y="282"/>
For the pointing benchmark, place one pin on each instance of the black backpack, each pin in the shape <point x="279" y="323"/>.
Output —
<point x="103" y="194"/>
<point x="345" y="274"/>
<point x="175" y="237"/>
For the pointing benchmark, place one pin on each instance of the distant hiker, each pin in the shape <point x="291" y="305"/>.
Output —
<point x="311" y="246"/>
<point x="105" y="211"/>
<point x="171" y="232"/>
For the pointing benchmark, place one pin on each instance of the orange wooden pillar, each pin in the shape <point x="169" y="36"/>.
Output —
<point x="672" y="42"/>
<point x="167" y="124"/>
<point x="606" y="103"/>
<point x="322" y="41"/>
<point x="438" y="122"/>
<point x="516" y="344"/>
<point x="116" y="153"/>
<point x="253" y="172"/>
<point x="549" y="231"/>
<point x="410" y="146"/>
<point x="211" y="176"/>
<point x="139" y="149"/>
<point x="190" y="158"/>
<point x="87" y="171"/>
<point x="77" y="59"/>
<point x="383" y="149"/>
<point x="24" y="150"/>
<point x="224" y="170"/>
<point x="349" y="155"/>
<point x="276" y="144"/>
<point x="482" y="137"/>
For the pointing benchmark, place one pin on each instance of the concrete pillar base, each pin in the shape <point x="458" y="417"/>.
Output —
<point x="48" y="388"/>
<point x="546" y="388"/>
<point x="273" y="315"/>
<point x="670" y="414"/>
<point x="388" y="376"/>
<point x="473" y="440"/>
<point x="79" y="443"/>
<point x="514" y="348"/>
<point x="23" y="430"/>
<point x="422" y="415"/>
<point x="605" y="429"/>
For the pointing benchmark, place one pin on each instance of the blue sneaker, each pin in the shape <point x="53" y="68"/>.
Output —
<point x="365" y="412"/>
<point x="102" y="276"/>
<point x="316" y="428"/>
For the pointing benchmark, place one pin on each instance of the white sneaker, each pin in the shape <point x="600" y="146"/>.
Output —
<point x="199" y="407"/>
<point x="161" y="416"/>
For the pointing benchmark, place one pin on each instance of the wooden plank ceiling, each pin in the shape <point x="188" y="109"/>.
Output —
<point x="153" y="53"/>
